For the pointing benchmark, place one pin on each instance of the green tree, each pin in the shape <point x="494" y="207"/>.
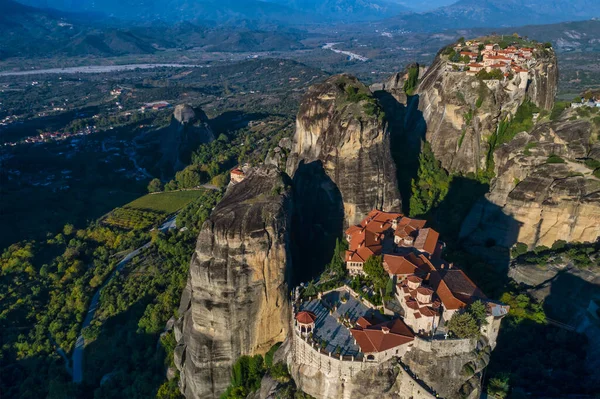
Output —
<point x="155" y="186"/>
<point x="389" y="288"/>
<point x="412" y="81"/>
<point x="310" y="289"/>
<point x="337" y="264"/>
<point x="478" y="310"/>
<point x="431" y="185"/>
<point x="463" y="325"/>
<point x="519" y="249"/>
<point x="373" y="267"/>
<point x="498" y="386"/>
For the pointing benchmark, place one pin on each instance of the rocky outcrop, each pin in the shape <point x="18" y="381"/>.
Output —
<point x="188" y="129"/>
<point x="341" y="127"/>
<point x="543" y="192"/>
<point x="461" y="111"/>
<point x="372" y="383"/>
<point x="235" y="300"/>
<point x="451" y="376"/>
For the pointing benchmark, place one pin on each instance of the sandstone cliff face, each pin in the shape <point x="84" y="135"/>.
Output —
<point x="340" y="126"/>
<point x="540" y="202"/>
<point x="235" y="301"/>
<point x="458" y="127"/>
<point x="456" y="376"/>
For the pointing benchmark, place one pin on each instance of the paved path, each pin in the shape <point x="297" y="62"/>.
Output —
<point x="77" y="359"/>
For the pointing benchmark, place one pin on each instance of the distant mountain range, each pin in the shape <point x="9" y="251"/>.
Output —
<point x="29" y="31"/>
<point x="396" y="13"/>
<point x="226" y="11"/>
<point x="497" y="13"/>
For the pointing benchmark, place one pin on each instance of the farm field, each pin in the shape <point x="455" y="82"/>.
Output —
<point x="150" y="210"/>
<point x="166" y="202"/>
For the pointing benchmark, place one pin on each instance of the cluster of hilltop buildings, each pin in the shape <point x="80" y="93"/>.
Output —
<point x="490" y="56"/>
<point x="428" y="291"/>
<point x="592" y="102"/>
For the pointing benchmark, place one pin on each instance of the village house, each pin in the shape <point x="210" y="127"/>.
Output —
<point x="472" y="56"/>
<point x="236" y="175"/>
<point x="474" y="68"/>
<point x="511" y="61"/>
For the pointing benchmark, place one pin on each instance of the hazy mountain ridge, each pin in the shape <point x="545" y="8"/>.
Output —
<point x="29" y="31"/>
<point x="228" y="11"/>
<point x="497" y="13"/>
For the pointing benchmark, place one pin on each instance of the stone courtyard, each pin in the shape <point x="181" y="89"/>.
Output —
<point x="327" y="326"/>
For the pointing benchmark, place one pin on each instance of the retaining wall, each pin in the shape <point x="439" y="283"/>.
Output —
<point x="445" y="347"/>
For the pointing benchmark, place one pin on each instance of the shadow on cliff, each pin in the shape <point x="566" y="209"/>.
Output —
<point x="407" y="131"/>
<point x="551" y="359"/>
<point x="463" y="219"/>
<point x="317" y="220"/>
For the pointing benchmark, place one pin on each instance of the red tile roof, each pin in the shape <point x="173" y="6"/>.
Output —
<point x="365" y="238"/>
<point x="381" y="337"/>
<point x="427" y="240"/>
<point x="306" y="317"/>
<point x="406" y="226"/>
<point x="454" y="288"/>
<point x="398" y="265"/>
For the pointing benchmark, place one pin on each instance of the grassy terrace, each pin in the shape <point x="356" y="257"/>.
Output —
<point x="167" y="202"/>
<point x="150" y="209"/>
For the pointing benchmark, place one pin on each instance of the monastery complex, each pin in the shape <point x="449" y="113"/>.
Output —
<point x="475" y="56"/>
<point x="427" y="289"/>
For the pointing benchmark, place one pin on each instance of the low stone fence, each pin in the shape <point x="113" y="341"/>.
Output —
<point x="445" y="347"/>
<point x="343" y="367"/>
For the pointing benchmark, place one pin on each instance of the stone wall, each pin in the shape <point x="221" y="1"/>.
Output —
<point x="445" y="347"/>
<point x="329" y="364"/>
<point x="327" y="376"/>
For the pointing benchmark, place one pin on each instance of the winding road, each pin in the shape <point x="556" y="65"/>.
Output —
<point x="77" y="358"/>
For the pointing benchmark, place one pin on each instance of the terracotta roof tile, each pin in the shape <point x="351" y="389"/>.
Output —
<point x="383" y="336"/>
<point x="306" y="317"/>
<point x="427" y="240"/>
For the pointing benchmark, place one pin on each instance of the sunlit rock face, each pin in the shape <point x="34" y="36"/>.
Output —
<point x="348" y="136"/>
<point x="543" y="187"/>
<point x="235" y="301"/>
<point x="461" y="112"/>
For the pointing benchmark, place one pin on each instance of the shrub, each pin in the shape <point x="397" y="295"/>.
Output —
<point x="494" y="74"/>
<point x="270" y="353"/>
<point x="592" y="163"/>
<point x="558" y="109"/>
<point x="468" y="369"/>
<point x="354" y="95"/>
<point x="555" y="159"/>
<point x="280" y="372"/>
<point x="155" y="186"/>
<point x="413" y="79"/>
<point x="559" y="244"/>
